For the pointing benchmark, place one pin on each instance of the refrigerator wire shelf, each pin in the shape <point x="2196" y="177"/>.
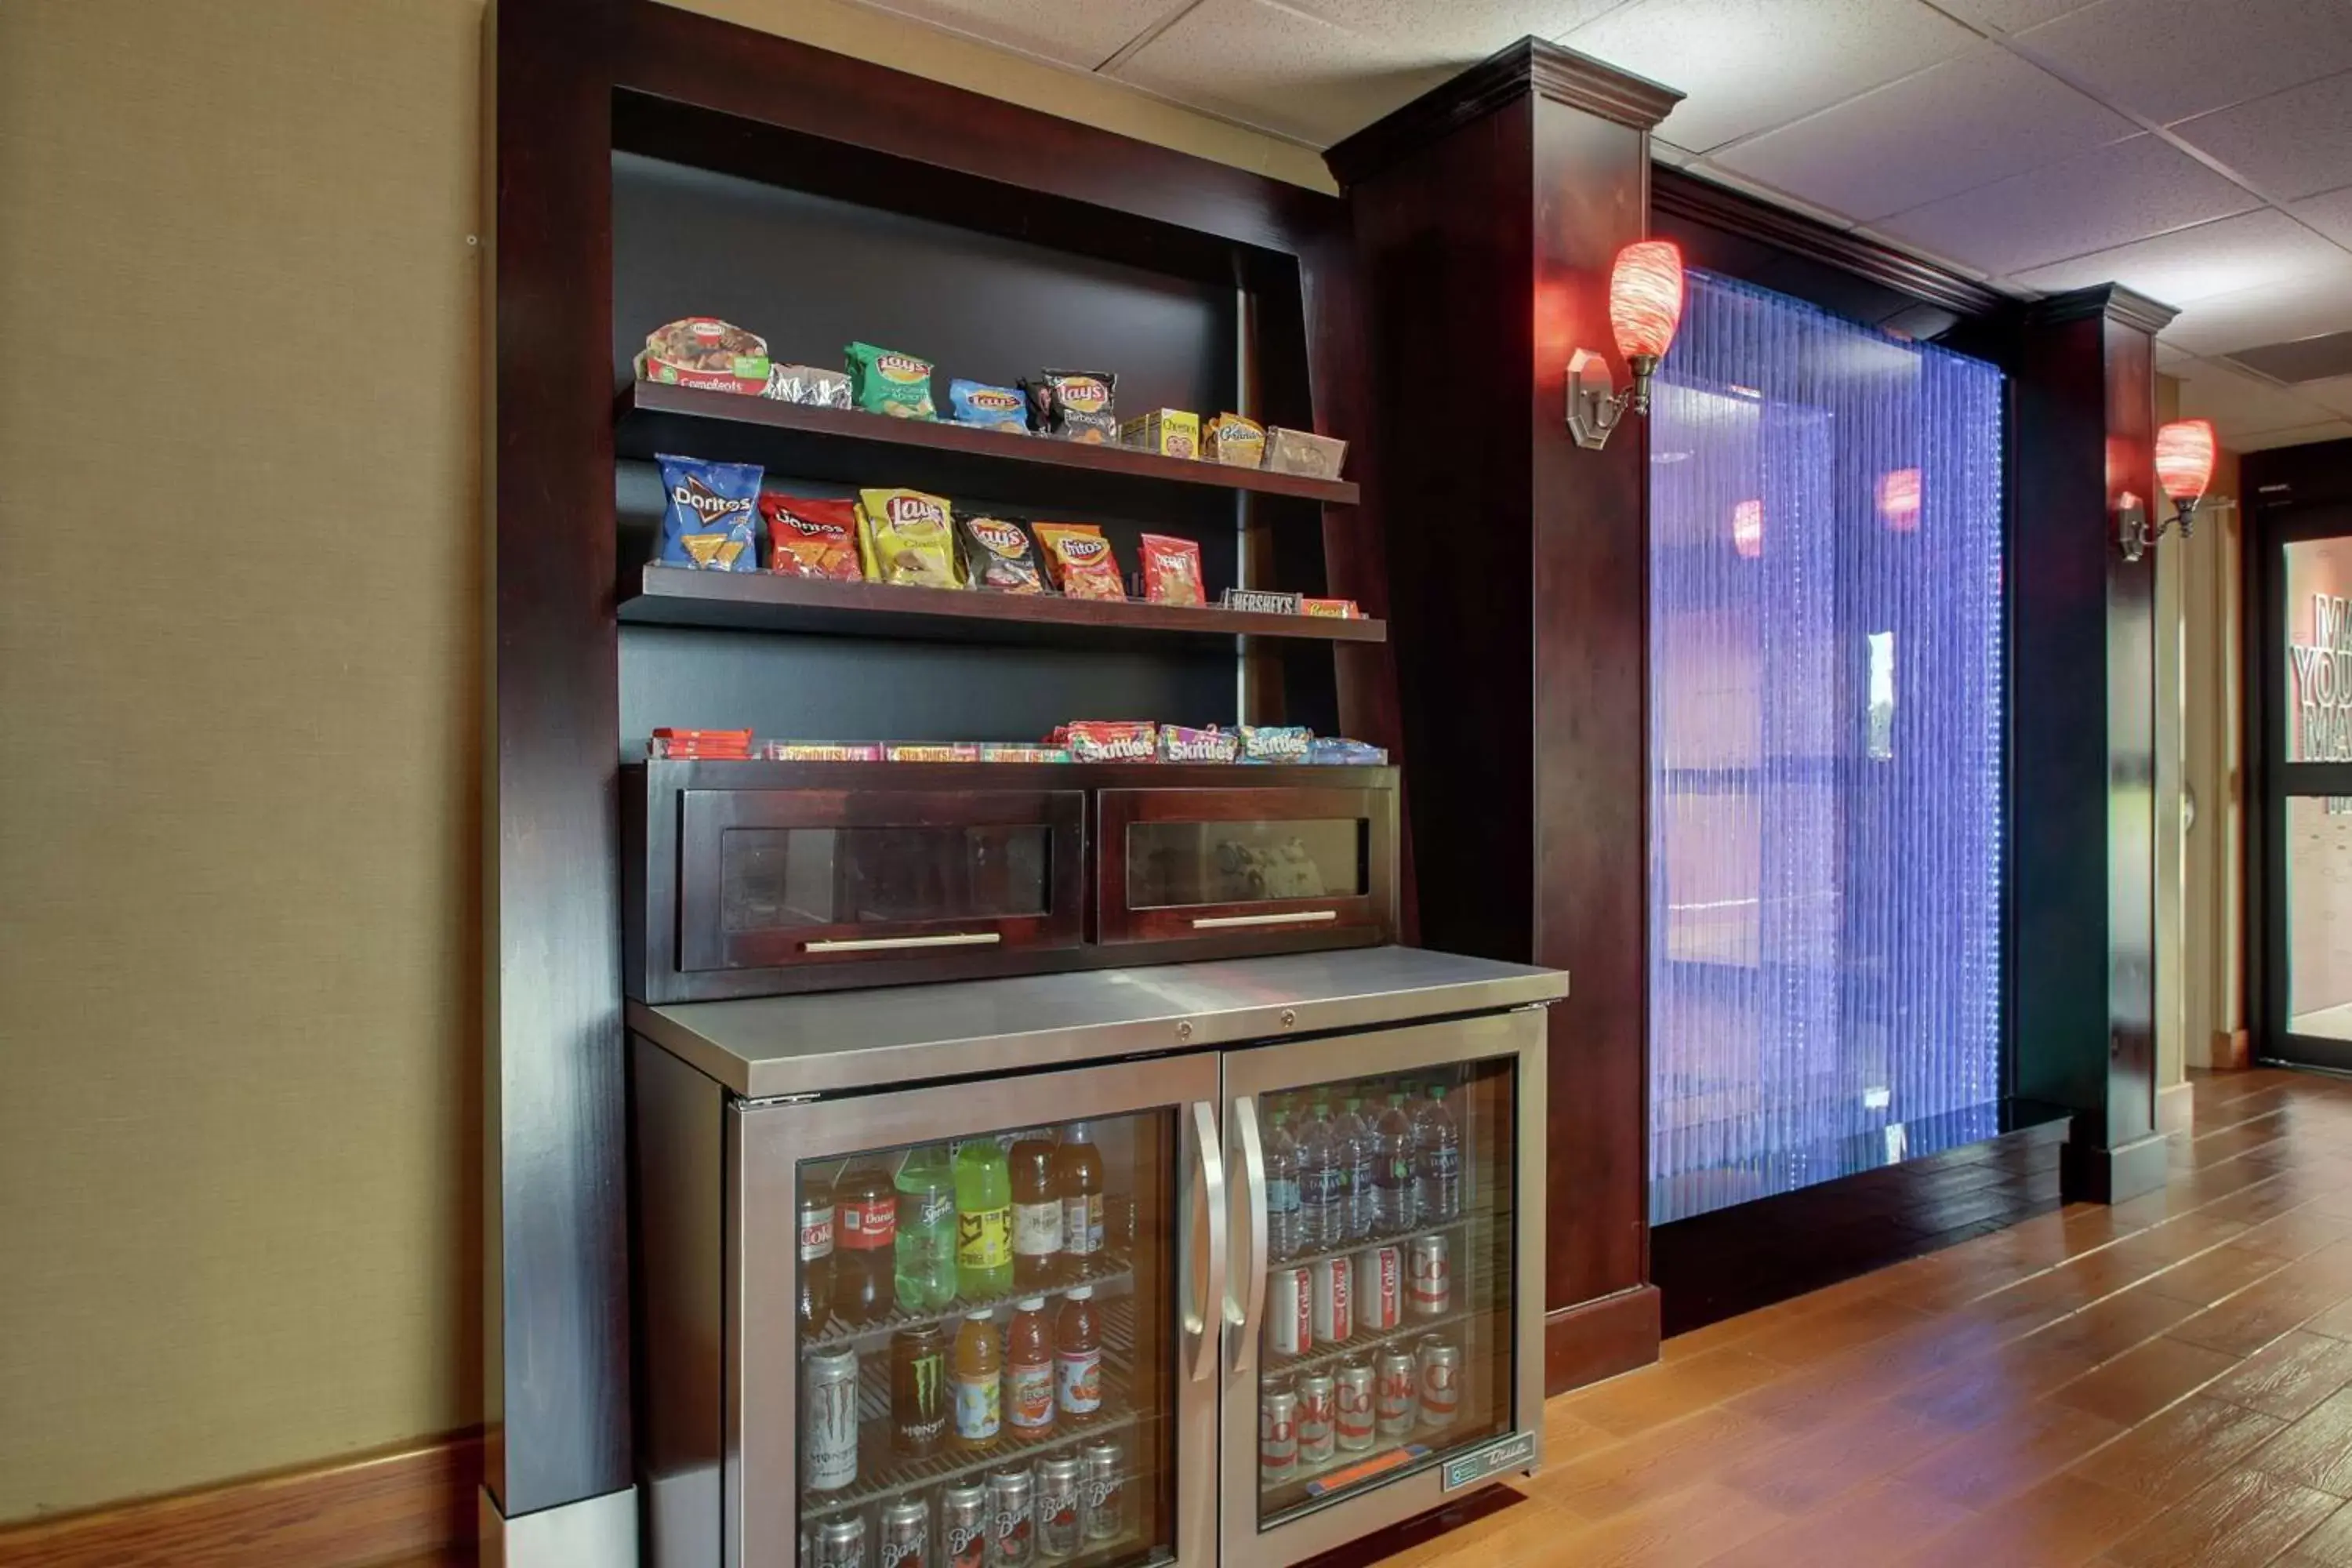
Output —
<point x="1396" y="1239"/>
<point x="1115" y="1268"/>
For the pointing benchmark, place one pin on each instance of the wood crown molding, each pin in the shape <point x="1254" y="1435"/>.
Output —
<point x="403" y="1503"/>
<point x="2111" y="301"/>
<point x="1687" y="196"/>
<point x="1510" y="73"/>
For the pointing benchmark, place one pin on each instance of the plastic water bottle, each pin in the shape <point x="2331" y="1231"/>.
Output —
<point x="1393" y="1198"/>
<point x="926" y="1263"/>
<point x="1437" y="1159"/>
<point x="1281" y="1189"/>
<point x="1322" y="1186"/>
<point x="1351" y="1150"/>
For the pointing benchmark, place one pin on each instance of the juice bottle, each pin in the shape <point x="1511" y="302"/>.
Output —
<point x="1029" y="1370"/>
<point x="926" y="1260"/>
<point x="1036" y="1215"/>
<point x="984" y="1191"/>
<point x="978" y="1398"/>
<point x="1077" y="1355"/>
<point x="1078" y="1179"/>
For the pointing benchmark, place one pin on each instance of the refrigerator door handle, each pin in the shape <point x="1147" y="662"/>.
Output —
<point x="1204" y="1323"/>
<point x="1246" y="1302"/>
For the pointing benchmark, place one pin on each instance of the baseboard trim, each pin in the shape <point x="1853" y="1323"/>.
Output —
<point x="2090" y="1175"/>
<point x="407" y="1501"/>
<point x="2175" y="1110"/>
<point x="1599" y="1338"/>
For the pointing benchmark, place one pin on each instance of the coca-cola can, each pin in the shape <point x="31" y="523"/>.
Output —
<point x="1289" y="1310"/>
<point x="1334" y="1283"/>
<point x="1277" y="1437"/>
<point x="1396" y="1390"/>
<point x="1352" y="1405"/>
<point x="906" y="1534"/>
<point x="1378" y="1289"/>
<point x="1317" y="1440"/>
<point x="1440" y="1365"/>
<point x="1428" y="1289"/>
<point x="963" y="1525"/>
<point x="1012" y="1526"/>
<point x="1059" y="1483"/>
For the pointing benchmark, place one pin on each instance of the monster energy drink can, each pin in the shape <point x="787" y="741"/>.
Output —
<point x="1059" y="1483"/>
<point x="840" y="1541"/>
<point x="963" y="1525"/>
<point x="906" y="1534"/>
<point x="829" y="1419"/>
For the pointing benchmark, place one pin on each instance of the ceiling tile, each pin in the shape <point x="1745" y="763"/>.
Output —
<point x="1083" y="36"/>
<point x="1666" y="153"/>
<point x="2112" y="195"/>
<point x="1280" y="69"/>
<point x="2011" y="15"/>
<point x="2172" y="361"/>
<point x="2239" y="403"/>
<point x="2168" y="60"/>
<point x="2299" y="436"/>
<point x="2292" y="143"/>
<point x="1457" y="31"/>
<point x="2334" y="395"/>
<point x="1750" y="65"/>
<point x="2276" y="313"/>
<point x="1949" y="129"/>
<point x="2254" y="250"/>
<point x="2330" y="215"/>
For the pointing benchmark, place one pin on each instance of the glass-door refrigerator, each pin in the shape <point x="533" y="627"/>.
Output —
<point x="1202" y="1301"/>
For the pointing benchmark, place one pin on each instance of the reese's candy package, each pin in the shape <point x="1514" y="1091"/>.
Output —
<point x="1080" y="559"/>
<point x="810" y="536"/>
<point x="990" y="407"/>
<point x="1171" y="571"/>
<point x="1075" y="404"/>
<point x="906" y="536"/>
<point x="707" y="523"/>
<point x="883" y="380"/>
<point x="997" y="554"/>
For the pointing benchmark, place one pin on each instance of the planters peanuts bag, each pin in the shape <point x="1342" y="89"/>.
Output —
<point x="708" y="524"/>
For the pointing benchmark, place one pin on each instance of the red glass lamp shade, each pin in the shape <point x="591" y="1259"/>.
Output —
<point x="1645" y="298"/>
<point x="2184" y="459"/>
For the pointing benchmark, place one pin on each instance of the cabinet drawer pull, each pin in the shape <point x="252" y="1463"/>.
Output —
<point x="881" y="943"/>
<point x="1303" y="917"/>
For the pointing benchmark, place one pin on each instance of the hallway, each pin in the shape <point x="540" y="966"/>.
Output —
<point x="2161" y="1383"/>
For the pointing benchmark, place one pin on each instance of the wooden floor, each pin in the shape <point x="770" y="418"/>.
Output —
<point x="2165" y="1383"/>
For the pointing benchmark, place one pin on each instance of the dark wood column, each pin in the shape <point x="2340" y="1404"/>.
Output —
<point x="1487" y="214"/>
<point x="2082" y="734"/>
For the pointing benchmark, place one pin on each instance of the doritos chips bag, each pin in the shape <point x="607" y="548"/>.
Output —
<point x="707" y="523"/>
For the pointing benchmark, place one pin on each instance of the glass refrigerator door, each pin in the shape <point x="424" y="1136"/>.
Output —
<point x="1384" y="1315"/>
<point x="975" y="1323"/>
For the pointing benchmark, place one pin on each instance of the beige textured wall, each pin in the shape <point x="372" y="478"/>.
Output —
<point x="238" y="1047"/>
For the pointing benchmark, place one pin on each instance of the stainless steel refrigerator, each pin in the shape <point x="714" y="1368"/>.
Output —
<point x="1289" y="1289"/>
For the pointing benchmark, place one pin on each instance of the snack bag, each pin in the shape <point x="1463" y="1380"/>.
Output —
<point x="1332" y="750"/>
<point x="812" y="537"/>
<point x="1108" y="740"/>
<point x="1179" y="744"/>
<point x="804" y="384"/>
<point x="1171" y="571"/>
<point x="906" y="536"/>
<point x="1074" y="404"/>
<point x="990" y="407"/>
<point x="997" y="554"/>
<point x="1080" y="559"/>
<point x="1230" y="438"/>
<point x="1275" y="742"/>
<point x="707" y="523"/>
<point x="882" y="381"/>
<point x="707" y="354"/>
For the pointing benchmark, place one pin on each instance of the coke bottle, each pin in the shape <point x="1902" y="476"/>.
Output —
<point x="1036" y="1215"/>
<point x="1393" y="1206"/>
<point x="864" y="1244"/>
<point x="1281" y="1189"/>
<point x="1322" y="1218"/>
<point x="1436" y="1161"/>
<point x="1351" y="1146"/>
<point x="926" y="1252"/>
<point x="817" y="1255"/>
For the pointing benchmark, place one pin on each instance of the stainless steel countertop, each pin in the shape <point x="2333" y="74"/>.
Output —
<point x="843" y="1040"/>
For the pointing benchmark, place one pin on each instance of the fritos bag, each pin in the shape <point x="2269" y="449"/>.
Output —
<point x="1080" y="559"/>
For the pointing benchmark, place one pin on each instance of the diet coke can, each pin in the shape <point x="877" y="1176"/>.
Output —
<point x="963" y="1525"/>
<point x="1317" y="1438"/>
<point x="1351" y="1403"/>
<point x="906" y="1534"/>
<point x="1333" y="1279"/>
<point x="1378" y="1289"/>
<point x="1440" y="1363"/>
<point x="1290" y="1310"/>
<point x="1430" y="1290"/>
<point x="1396" y="1390"/>
<point x="1277" y="1437"/>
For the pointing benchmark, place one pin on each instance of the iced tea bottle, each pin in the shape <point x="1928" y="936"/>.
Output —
<point x="1078" y="1356"/>
<point x="978" y="1398"/>
<point x="1036" y="1215"/>
<point x="1078" y="1178"/>
<point x="1029" y="1370"/>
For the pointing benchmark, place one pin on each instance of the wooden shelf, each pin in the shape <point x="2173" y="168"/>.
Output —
<point x="759" y="601"/>
<point x="850" y="447"/>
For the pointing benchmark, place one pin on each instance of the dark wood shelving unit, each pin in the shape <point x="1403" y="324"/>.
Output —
<point x="760" y="602"/>
<point x="847" y="447"/>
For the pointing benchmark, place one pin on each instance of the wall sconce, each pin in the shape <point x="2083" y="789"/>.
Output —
<point x="1646" y="306"/>
<point x="2184" y="467"/>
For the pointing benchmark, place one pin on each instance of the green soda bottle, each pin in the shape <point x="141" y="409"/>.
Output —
<point x="984" y="1196"/>
<point x="927" y="1230"/>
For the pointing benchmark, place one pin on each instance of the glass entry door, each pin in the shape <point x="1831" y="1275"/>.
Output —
<point x="2304" y="708"/>
<point x="975" y="1323"/>
<point x="1384" y="1312"/>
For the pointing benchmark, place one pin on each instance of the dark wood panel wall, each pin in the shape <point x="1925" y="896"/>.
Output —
<point x="1487" y="214"/>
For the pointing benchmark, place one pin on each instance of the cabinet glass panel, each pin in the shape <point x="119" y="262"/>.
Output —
<point x="1173" y="864"/>
<point x="775" y="878"/>
<point x="1388" y="1338"/>
<point x="989" y="1348"/>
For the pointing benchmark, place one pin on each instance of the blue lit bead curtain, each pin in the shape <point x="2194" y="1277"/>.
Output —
<point x="1826" y="713"/>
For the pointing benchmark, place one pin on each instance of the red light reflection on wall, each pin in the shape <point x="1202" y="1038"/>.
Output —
<point x="1898" y="500"/>
<point x="1747" y="529"/>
